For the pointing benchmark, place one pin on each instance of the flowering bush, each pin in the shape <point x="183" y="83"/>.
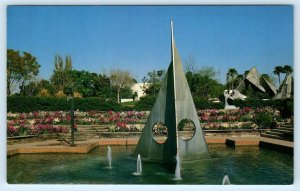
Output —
<point x="50" y="121"/>
<point x="82" y="118"/>
<point x="48" y="129"/>
<point x="12" y="131"/>
<point x="229" y="125"/>
<point x="245" y="114"/>
<point x="35" y="129"/>
<point x="123" y="127"/>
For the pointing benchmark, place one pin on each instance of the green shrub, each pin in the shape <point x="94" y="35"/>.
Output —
<point x="201" y="104"/>
<point x="30" y="104"/>
<point x="146" y="103"/>
<point x="245" y="118"/>
<point x="246" y="126"/>
<point x="286" y="106"/>
<point x="263" y="120"/>
<point x="129" y="106"/>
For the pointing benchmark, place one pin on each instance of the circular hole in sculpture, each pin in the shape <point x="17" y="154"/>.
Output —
<point x="159" y="132"/>
<point x="186" y="129"/>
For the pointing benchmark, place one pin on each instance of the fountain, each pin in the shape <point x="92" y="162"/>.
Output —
<point x="138" y="166"/>
<point x="109" y="157"/>
<point x="225" y="180"/>
<point x="173" y="105"/>
<point x="177" y="170"/>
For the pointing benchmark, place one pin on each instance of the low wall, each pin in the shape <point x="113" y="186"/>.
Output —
<point x="277" y="147"/>
<point x="119" y="134"/>
<point x="234" y="132"/>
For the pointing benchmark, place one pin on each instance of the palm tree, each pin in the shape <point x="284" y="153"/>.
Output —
<point x="246" y="73"/>
<point x="277" y="71"/>
<point x="231" y="75"/>
<point x="287" y="69"/>
<point x="266" y="77"/>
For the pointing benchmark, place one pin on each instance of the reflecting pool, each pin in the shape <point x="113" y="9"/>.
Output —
<point x="243" y="165"/>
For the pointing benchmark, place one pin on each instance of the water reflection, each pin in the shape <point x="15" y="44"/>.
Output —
<point x="244" y="165"/>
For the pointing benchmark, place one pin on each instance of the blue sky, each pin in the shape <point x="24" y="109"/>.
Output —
<point x="137" y="38"/>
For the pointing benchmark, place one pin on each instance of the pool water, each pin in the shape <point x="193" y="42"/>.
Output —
<point x="243" y="165"/>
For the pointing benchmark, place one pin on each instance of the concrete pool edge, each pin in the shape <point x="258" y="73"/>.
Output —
<point x="87" y="146"/>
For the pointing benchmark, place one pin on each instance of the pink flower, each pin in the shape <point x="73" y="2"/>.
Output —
<point x="12" y="131"/>
<point x="121" y="124"/>
<point x="213" y="113"/>
<point x="204" y="117"/>
<point x="36" y="114"/>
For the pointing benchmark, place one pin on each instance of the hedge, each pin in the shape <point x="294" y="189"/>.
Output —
<point x="285" y="106"/>
<point x="30" y="104"/>
<point x="147" y="102"/>
<point x="204" y="104"/>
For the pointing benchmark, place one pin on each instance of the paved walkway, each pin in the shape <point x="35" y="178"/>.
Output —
<point x="277" y="142"/>
<point x="84" y="146"/>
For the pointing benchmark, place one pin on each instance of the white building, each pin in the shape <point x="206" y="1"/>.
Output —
<point x="138" y="88"/>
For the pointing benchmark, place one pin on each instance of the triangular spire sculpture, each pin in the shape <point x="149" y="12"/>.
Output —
<point x="252" y="79"/>
<point x="285" y="88"/>
<point x="257" y="83"/>
<point x="269" y="87"/>
<point x="173" y="104"/>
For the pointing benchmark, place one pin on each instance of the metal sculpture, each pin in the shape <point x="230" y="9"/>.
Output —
<point x="173" y="104"/>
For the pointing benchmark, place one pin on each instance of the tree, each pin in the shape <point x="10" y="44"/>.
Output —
<point x="155" y="76"/>
<point x="287" y="69"/>
<point x="102" y="86"/>
<point x="231" y="75"/>
<point x="83" y="82"/>
<point x="154" y="80"/>
<point x="190" y="64"/>
<point x="207" y="71"/>
<point x="90" y="84"/>
<point x="29" y="69"/>
<point x="13" y="59"/>
<point x="46" y="84"/>
<point x="68" y="63"/>
<point x="68" y="70"/>
<point x="277" y="71"/>
<point x="61" y="76"/>
<point x="43" y="93"/>
<point x="202" y="85"/>
<point x="21" y="69"/>
<point x="120" y="79"/>
<point x="238" y="79"/>
<point x="39" y="88"/>
<point x="30" y="87"/>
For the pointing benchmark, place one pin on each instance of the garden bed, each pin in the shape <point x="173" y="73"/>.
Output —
<point x="52" y="122"/>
